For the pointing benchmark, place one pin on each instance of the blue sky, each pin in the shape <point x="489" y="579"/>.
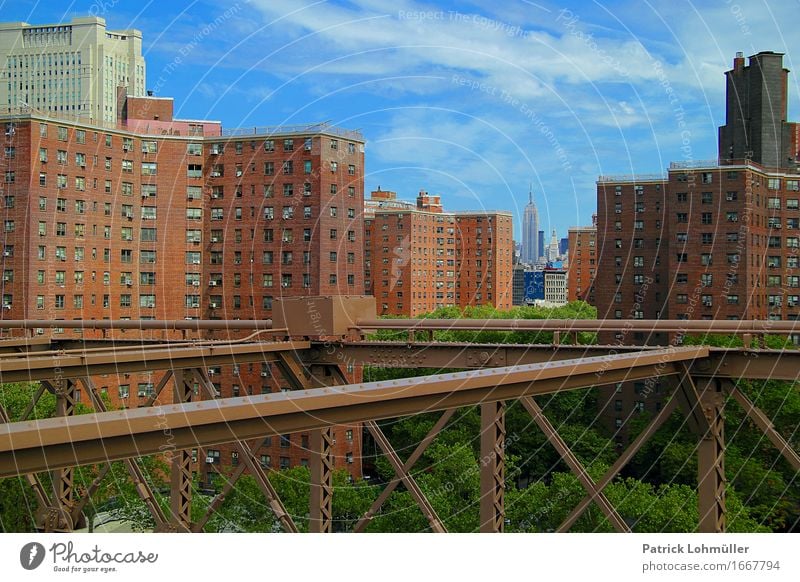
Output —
<point x="472" y="100"/>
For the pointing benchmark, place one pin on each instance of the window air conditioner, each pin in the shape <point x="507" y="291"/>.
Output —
<point x="195" y="283"/>
<point x="195" y="305"/>
<point x="210" y="460"/>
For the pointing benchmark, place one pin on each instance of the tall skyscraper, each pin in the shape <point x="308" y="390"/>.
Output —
<point x="530" y="232"/>
<point x="71" y="69"/>
<point x="540" y="255"/>
<point x="755" y="113"/>
<point x="552" y="250"/>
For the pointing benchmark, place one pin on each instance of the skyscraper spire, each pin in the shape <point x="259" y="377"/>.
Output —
<point x="530" y="231"/>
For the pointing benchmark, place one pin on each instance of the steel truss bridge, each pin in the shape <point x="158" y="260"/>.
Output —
<point x="311" y="341"/>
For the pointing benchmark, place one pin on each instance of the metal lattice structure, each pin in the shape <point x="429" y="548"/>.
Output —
<point x="493" y="375"/>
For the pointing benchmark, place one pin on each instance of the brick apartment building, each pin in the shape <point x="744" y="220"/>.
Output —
<point x="158" y="218"/>
<point x="419" y="258"/>
<point x="709" y="240"/>
<point x="582" y="267"/>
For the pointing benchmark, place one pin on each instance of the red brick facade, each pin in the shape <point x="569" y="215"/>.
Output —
<point x="110" y="224"/>
<point x="419" y="258"/>
<point x="582" y="268"/>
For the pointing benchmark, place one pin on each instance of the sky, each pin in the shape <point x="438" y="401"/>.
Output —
<point x="476" y="100"/>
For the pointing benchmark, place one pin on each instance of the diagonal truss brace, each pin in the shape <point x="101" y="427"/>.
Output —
<point x="413" y="487"/>
<point x="143" y="489"/>
<point x="621" y="461"/>
<point x="248" y="454"/>
<point x="763" y="422"/>
<point x="410" y="462"/>
<point x="577" y="468"/>
<point x="32" y="478"/>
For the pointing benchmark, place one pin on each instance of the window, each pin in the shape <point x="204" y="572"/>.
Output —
<point x="127" y="166"/>
<point x="682" y="217"/>
<point x="288" y="167"/>
<point x="682" y="196"/>
<point x="732" y="216"/>
<point x="147" y="301"/>
<point x="773" y="184"/>
<point x="706" y="198"/>
<point x="706" y="218"/>
<point x="706" y="279"/>
<point x="705" y="259"/>
<point x="148" y="212"/>
<point x="731" y="196"/>
<point x="333" y="234"/>
<point x="288" y="189"/>
<point x="288" y="145"/>
<point x="706" y="177"/>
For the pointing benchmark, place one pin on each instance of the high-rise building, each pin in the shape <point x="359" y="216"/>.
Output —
<point x="419" y="258"/>
<point x="160" y="218"/>
<point x="530" y="232"/>
<point x="582" y="267"/>
<point x="709" y="240"/>
<point x="73" y="69"/>
<point x="541" y="246"/>
<point x="552" y="248"/>
<point x="755" y="113"/>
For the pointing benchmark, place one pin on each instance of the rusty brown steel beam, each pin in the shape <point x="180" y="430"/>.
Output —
<point x="492" y="510"/>
<point x="711" y="463"/>
<point x="764" y="424"/>
<point x="575" y="325"/>
<point x="139" y="324"/>
<point x="732" y="363"/>
<point x="574" y="464"/>
<point x="28" y="447"/>
<point x="29" y="343"/>
<point x="181" y="469"/>
<point x="621" y="461"/>
<point x="320" y="519"/>
<point x="410" y="462"/>
<point x="411" y="484"/>
<point x="451" y="355"/>
<point x="26" y="368"/>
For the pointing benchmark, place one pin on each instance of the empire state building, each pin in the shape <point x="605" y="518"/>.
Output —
<point x="530" y="232"/>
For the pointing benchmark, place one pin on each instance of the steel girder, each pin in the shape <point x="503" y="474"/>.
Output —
<point x="56" y="443"/>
